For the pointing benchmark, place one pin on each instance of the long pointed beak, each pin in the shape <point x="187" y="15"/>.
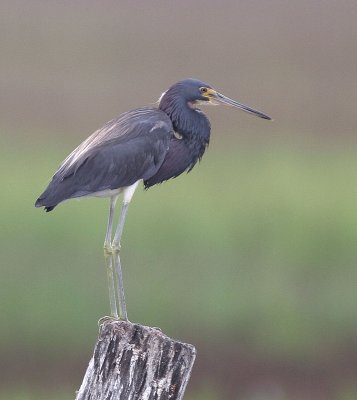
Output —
<point x="226" y="100"/>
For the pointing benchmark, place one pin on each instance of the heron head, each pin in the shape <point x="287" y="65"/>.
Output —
<point x="197" y="93"/>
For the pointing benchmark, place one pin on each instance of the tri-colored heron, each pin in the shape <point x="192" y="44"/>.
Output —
<point x="149" y="145"/>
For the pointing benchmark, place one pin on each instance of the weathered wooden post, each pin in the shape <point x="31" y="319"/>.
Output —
<point x="136" y="362"/>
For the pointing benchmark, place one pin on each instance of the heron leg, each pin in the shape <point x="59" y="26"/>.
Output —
<point x="109" y="259"/>
<point x="127" y="195"/>
<point x="108" y="235"/>
<point x="120" y="227"/>
<point x="117" y="264"/>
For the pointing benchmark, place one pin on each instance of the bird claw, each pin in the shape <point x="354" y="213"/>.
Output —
<point x="107" y="318"/>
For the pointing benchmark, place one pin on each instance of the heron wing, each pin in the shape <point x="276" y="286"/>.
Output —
<point x="120" y="129"/>
<point x="127" y="149"/>
<point x="119" y="164"/>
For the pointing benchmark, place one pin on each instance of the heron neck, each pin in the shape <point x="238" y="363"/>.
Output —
<point x="191" y="123"/>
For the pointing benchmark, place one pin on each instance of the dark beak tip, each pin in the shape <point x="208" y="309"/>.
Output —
<point x="226" y="100"/>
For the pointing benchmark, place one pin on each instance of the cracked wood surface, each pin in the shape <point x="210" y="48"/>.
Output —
<point x="136" y="362"/>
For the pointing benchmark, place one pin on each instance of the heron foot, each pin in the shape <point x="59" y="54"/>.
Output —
<point x="107" y="318"/>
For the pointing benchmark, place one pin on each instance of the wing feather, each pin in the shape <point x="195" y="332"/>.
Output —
<point x="122" y="128"/>
<point x="127" y="149"/>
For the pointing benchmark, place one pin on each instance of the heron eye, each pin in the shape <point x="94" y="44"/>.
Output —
<point x="203" y="90"/>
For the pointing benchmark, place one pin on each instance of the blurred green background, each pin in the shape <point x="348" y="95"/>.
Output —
<point x="251" y="257"/>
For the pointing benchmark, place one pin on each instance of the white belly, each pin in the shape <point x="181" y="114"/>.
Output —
<point x="127" y="191"/>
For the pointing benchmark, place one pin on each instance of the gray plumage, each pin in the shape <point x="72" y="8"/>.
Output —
<point x="140" y="145"/>
<point x="147" y="144"/>
<point x="128" y="148"/>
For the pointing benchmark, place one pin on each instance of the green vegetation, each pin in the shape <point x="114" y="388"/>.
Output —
<point x="255" y="245"/>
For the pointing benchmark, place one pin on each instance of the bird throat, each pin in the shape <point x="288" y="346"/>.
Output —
<point x="191" y="126"/>
<point x="186" y="119"/>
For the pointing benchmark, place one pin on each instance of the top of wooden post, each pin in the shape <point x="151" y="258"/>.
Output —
<point x="132" y="361"/>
